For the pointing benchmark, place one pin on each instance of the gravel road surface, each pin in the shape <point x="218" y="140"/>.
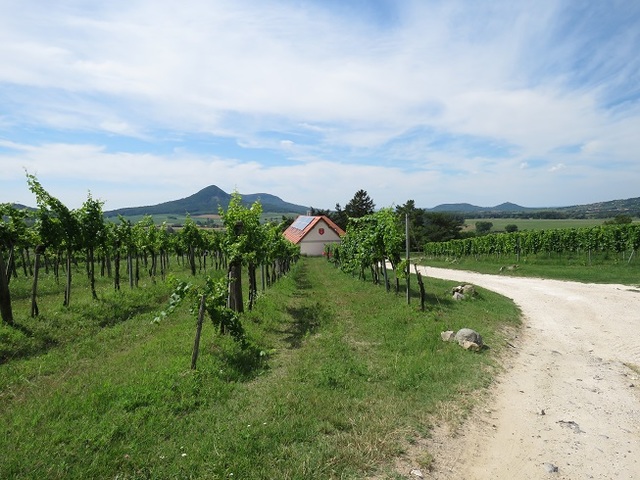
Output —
<point x="568" y="404"/>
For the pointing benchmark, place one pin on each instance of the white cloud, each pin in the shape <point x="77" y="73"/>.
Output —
<point x="413" y="106"/>
<point x="557" y="167"/>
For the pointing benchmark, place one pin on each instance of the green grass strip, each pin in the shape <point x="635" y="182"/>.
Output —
<point x="338" y="378"/>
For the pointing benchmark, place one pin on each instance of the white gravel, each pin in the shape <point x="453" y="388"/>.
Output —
<point x="567" y="399"/>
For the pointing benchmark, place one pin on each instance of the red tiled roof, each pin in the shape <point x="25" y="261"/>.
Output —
<point x="295" y="235"/>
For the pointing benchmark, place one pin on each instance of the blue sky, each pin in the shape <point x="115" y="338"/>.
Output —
<point x="478" y="101"/>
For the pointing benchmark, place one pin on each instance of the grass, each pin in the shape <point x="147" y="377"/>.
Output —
<point x="338" y="378"/>
<point x="602" y="268"/>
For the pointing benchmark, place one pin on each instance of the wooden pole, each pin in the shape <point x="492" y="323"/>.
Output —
<point x="406" y="233"/>
<point x="422" y="290"/>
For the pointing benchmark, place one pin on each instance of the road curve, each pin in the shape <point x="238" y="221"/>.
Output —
<point x="569" y="398"/>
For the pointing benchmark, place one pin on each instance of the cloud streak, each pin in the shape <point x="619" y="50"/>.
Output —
<point x="310" y="100"/>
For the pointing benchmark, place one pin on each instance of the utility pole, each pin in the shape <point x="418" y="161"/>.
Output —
<point x="407" y="243"/>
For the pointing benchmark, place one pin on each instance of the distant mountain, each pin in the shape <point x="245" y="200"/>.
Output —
<point x="207" y="201"/>
<point x="510" y="207"/>
<point x="456" y="208"/>
<point x="630" y="206"/>
<point x="468" y="208"/>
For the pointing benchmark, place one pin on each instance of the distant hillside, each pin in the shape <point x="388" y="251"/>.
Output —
<point x="466" y="208"/>
<point x="630" y="206"/>
<point x="207" y="201"/>
<point x="456" y="208"/>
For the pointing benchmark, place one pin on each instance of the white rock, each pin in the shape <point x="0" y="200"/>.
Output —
<point x="448" y="336"/>
<point x="474" y="347"/>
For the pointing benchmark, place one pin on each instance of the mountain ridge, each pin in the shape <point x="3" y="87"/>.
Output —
<point x="629" y="206"/>
<point x="208" y="201"/>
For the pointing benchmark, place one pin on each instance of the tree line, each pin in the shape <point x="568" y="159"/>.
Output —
<point x="424" y="226"/>
<point x="59" y="240"/>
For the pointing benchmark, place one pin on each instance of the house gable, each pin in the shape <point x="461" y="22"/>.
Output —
<point x="313" y="233"/>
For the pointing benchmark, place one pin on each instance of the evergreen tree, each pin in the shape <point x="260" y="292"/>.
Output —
<point x="417" y="235"/>
<point x="360" y="205"/>
<point x="340" y="217"/>
<point x="442" y="226"/>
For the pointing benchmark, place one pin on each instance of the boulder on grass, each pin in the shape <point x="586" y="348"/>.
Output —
<point x="468" y="335"/>
<point x="460" y="292"/>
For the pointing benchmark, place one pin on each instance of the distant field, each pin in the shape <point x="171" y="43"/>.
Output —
<point x="174" y="219"/>
<point x="534" y="224"/>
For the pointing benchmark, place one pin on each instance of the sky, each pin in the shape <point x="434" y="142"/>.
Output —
<point x="138" y="102"/>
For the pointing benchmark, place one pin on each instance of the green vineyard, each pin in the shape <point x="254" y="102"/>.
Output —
<point x="608" y="239"/>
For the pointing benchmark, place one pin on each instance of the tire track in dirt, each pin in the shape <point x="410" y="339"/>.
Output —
<point x="566" y="399"/>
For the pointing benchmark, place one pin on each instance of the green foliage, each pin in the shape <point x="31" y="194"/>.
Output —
<point x="215" y="293"/>
<point x="416" y="217"/>
<point x="369" y="241"/>
<point x="620" y="219"/>
<point x="91" y="222"/>
<point x="335" y="389"/>
<point x="483" y="227"/>
<point x="610" y="238"/>
<point x="430" y="226"/>
<point x="244" y="238"/>
<point x="442" y="226"/>
<point x="13" y="229"/>
<point x="360" y="205"/>
<point x="59" y="226"/>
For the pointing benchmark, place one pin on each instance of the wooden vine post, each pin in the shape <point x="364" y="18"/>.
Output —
<point x="422" y="290"/>
<point x="234" y="275"/>
<point x="5" y="296"/>
<point x="39" y="250"/>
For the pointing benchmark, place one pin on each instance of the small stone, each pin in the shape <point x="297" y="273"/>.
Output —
<point x="571" y="425"/>
<point x="448" y="336"/>
<point x="469" y="290"/>
<point x="417" y="473"/>
<point x="550" y="467"/>
<point x="458" y="296"/>
<point x="474" y="347"/>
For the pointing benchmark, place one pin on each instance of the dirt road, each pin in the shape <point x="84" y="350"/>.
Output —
<point x="570" y="397"/>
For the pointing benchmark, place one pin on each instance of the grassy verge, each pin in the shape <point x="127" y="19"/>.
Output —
<point x="576" y="267"/>
<point x="339" y="377"/>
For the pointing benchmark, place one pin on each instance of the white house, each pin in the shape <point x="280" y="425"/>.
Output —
<point x="313" y="233"/>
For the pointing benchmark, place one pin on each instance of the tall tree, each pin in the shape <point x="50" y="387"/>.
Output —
<point x="360" y="205"/>
<point x="416" y="223"/>
<point x="442" y="226"/>
<point x="340" y="217"/>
